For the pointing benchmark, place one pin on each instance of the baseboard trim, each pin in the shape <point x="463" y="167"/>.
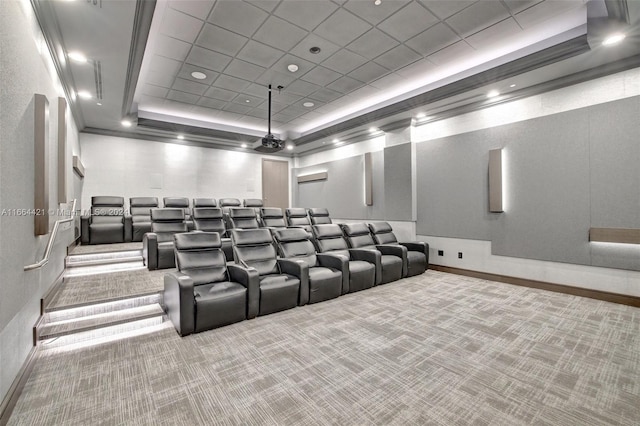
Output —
<point x="10" y="400"/>
<point x="51" y="293"/>
<point x="622" y="299"/>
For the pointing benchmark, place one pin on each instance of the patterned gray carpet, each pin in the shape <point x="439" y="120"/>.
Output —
<point x="106" y="287"/>
<point x="105" y="248"/>
<point x="436" y="349"/>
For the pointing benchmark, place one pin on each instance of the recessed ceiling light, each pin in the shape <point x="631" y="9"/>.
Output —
<point x="338" y="143"/>
<point x="126" y="123"/>
<point x="315" y="50"/>
<point x="84" y="94"/>
<point x="77" y="57"/>
<point x="512" y="85"/>
<point x="99" y="104"/>
<point x="613" y="39"/>
<point x="292" y="67"/>
<point x="493" y="94"/>
<point x="244" y="145"/>
<point x="421" y="115"/>
<point x="198" y="75"/>
<point x="247" y="100"/>
<point x="377" y="2"/>
<point x="308" y="104"/>
<point x="289" y="147"/>
<point x="373" y="129"/>
<point x="181" y="137"/>
<point x="336" y="140"/>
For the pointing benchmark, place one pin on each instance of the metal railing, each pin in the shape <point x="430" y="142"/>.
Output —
<point x="52" y="239"/>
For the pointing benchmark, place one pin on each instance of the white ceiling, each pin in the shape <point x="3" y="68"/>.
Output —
<point x="377" y="63"/>
<point x="370" y="54"/>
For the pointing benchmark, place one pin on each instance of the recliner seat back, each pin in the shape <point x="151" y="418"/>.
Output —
<point x="243" y="218"/>
<point x="208" y="219"/>
<point x="272" y="217"/>
<point x="199" y="255"/>
<point x="179" y="203"/>
<point x="358" y="235"/>
<point x="295" y="243"/>
<point x="254" y="248"/>
<point x="204" y="202"/>
<point x="382" y="233"/>
<point x="319" y="216"/>
<point x="166" y="222"/>
<point x="106" y="209"/>
<point x="140" y="208"/>
<point x="297" y="217"/>
<point x="329" y="238"/>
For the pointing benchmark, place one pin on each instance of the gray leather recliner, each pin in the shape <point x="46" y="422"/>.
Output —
<point x="417" y="251"/>
<point x="180" y="203"/>
<point x="272" y="217"/>
<point x="107" y="223"/>
<point x="157" y="245"/>
<point x="297" y="216"/>
<point x="226" y="204"/>
<point x="393" y="257"/>
<point x="319" y="216"/>
<point x="328" y="274"/>
<point x="209" y="219"/>
<point x="205" y="293"/>
<point x="362" y="263"/>
<point x="140" y="209"/>
<point x="204" y="202"/>
<point x="284" y="284"/>
<point x="243" y="218"/>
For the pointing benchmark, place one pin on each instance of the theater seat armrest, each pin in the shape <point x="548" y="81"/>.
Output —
<point x="150" y="250"/>
<point x="395" y="250"/>
<point x="420" y="246"/>
<point x="84" y="229"/>
<point x="298" y="269"/>
<point x="178" y="302"/>
<point x="340" y="263"/>
<point x="249" y="278"/>
<point x="371" y="256"/>
<point x="128" y="228"/>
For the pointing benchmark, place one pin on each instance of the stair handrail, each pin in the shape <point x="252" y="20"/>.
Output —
<point x="52" y="238"/>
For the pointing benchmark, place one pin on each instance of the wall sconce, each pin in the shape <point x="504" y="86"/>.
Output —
<point x="495" y="181"/>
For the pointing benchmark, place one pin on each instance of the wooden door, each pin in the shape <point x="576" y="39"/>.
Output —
<point x="275" y="183"/>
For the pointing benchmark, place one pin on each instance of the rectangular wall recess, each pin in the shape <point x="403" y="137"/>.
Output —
<point x="313" y="177"/>
<point x="615" y="235"/>
<point x="495" y="181"/>
<point x="41" y="158"/>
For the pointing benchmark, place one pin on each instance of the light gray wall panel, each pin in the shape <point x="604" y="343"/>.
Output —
<point x="397" y="182"/>
<point x="452" y="188"/>
<point x="615" y="164"/>
<point x="343" y="191"/>
<point x="546" y="213"/>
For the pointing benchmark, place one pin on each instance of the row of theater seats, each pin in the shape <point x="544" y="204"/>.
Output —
<point x="109" y="222"/>
<point x="157" y="245"/>
<point x="280" y="268"/>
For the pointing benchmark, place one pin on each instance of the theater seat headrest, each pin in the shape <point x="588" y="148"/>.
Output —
<point x="353" y="229"/>
<point x="327" y="231"/>
<point x="250" y="237"/>
<point x="197" y="241"/>
<point x="290" y="235"/>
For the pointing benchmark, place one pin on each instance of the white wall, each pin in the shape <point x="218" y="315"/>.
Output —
<point x="26" y="68"/>
<point x="139" y="168"/>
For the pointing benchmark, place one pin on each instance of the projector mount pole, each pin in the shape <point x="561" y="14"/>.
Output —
<point x="269" y="121"/>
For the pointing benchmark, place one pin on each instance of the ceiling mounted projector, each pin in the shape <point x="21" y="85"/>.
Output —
<point x="270" y="143"/>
